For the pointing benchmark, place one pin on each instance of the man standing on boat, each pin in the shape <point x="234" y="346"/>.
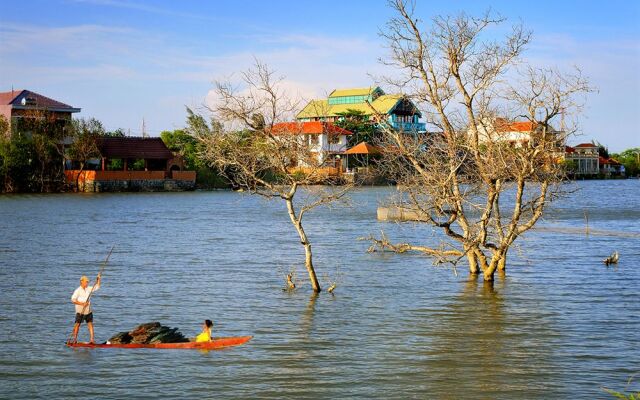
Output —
<point x="84" y="313"/>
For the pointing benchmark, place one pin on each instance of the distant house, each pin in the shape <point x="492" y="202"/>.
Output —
<point x="18" y="105"/>
<point x="133" y="164"/>
<point x="586" y="158"/>
<point x="610" y="167"/>
<point x="150" y="153"/>
<point x="325" y="140"/>
<point x="516" y="133"/>
<point x="371" y="102"/>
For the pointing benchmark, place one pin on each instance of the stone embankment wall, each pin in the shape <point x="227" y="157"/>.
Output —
<point x="155" y="185"/>
<point x="132" y="181"/>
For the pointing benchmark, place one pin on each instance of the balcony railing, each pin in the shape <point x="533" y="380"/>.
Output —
<point x="410" y="126"/>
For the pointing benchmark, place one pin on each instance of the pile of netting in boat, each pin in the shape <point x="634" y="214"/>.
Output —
<point x="149" y="333"/>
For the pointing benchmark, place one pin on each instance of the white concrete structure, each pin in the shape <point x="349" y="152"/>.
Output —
<point x="586" y="157"/>
<point x="324" y="139"/>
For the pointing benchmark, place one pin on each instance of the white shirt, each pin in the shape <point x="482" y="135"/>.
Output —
<point x="81" y="295"/>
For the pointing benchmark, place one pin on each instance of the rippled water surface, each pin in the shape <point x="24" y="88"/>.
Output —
<point x="560" y="325"/>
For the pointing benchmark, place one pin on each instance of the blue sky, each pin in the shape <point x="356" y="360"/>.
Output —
<point x="123" y="61"/>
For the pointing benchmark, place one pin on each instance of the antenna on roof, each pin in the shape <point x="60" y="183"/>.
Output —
<point x="144" y="130"/>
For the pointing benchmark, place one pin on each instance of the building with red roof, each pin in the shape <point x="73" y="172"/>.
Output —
<point x="611" y="167"/>
<point x="132" y="164"/>
<point x="325" y="140"/>
<point x="17" y="105"/>
<point x="589" y="162"/>
<point x="586" y="158"/>
<point x="516" y="133"/>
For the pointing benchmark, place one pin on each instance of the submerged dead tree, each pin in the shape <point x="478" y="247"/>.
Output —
<point x="486" y="172"/>
<point x="254" y="147"/>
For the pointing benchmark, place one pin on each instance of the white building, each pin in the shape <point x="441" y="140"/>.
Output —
<point x="516" y="133"/>
<point x="586" y="158"/>
<point x="324" y="140"/>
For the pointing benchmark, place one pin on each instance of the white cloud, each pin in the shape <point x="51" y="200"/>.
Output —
<point x="144" y="8"/>
<point x="612" y="67"/>
<point x="167" y="72"/>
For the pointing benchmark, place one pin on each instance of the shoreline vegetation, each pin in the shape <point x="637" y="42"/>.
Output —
<point x="32" y="159"/>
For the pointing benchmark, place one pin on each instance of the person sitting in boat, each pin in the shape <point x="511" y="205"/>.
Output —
<point x="84" y="313"/>
<point x="205" y="336"/>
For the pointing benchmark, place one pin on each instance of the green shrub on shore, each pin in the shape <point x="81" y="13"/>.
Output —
<point x="630" y="158"/>
<point x="207" y="178"/>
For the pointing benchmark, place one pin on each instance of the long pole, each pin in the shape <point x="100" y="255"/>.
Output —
<point x="104" y="264"/>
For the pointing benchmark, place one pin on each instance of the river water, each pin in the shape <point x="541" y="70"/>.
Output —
<point x="559" y="325"/>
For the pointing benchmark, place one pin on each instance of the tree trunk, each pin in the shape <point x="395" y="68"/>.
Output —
<point x="473" y="262"/>
<point x="502" y="263"/>
<point x="482" y="259"/>
<point x="308" y="263"/>
<point x="42" y="169"/>
<point x="78" y="178"/>
<point x="308" y="259"/>
<point x="493" y="265"/>
<point x="488" y="273"/>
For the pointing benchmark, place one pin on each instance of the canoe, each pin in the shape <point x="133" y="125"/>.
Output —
<point x="217" y="343"/>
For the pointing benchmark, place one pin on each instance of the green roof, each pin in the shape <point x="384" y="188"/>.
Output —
<point x="321" y="108"/>
<point x="353" y="92"/>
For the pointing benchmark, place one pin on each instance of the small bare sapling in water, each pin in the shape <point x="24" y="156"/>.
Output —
<point x="290" y="284"/>
<point x="612" y="259"/>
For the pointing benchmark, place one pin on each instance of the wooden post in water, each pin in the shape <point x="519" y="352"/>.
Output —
<point x="586" y="218"/>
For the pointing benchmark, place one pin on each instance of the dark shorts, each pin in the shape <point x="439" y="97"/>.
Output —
<point x="85" y="318"/>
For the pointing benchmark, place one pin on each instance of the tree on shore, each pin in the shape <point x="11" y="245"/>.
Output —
<point x="473" y="180"/>
<point x="189" y="148"/>
<point x="249" y="147"/>
<point x="45" y="132"/>
<point x="364" y="130"/>
<point x="84" y="134"/>
<point x="630" y="158"/>
<point x="31" y="152"/>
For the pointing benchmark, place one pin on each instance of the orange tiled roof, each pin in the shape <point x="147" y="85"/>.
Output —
<point x="586" y="145"/>
<point x="7" y="97"/>
<point x="608" y="161"/>
<point x="503" y="125"/>
<point x="363" y="148"/>
<point x="309" y="128"/>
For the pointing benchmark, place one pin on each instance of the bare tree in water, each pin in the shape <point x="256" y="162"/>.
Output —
<point x="488" y="172"/>
<point x="253" y="146"/>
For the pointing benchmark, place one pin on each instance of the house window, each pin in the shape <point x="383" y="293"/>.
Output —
<point x="313" y="139"/>
<point x="334" y="139"/>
